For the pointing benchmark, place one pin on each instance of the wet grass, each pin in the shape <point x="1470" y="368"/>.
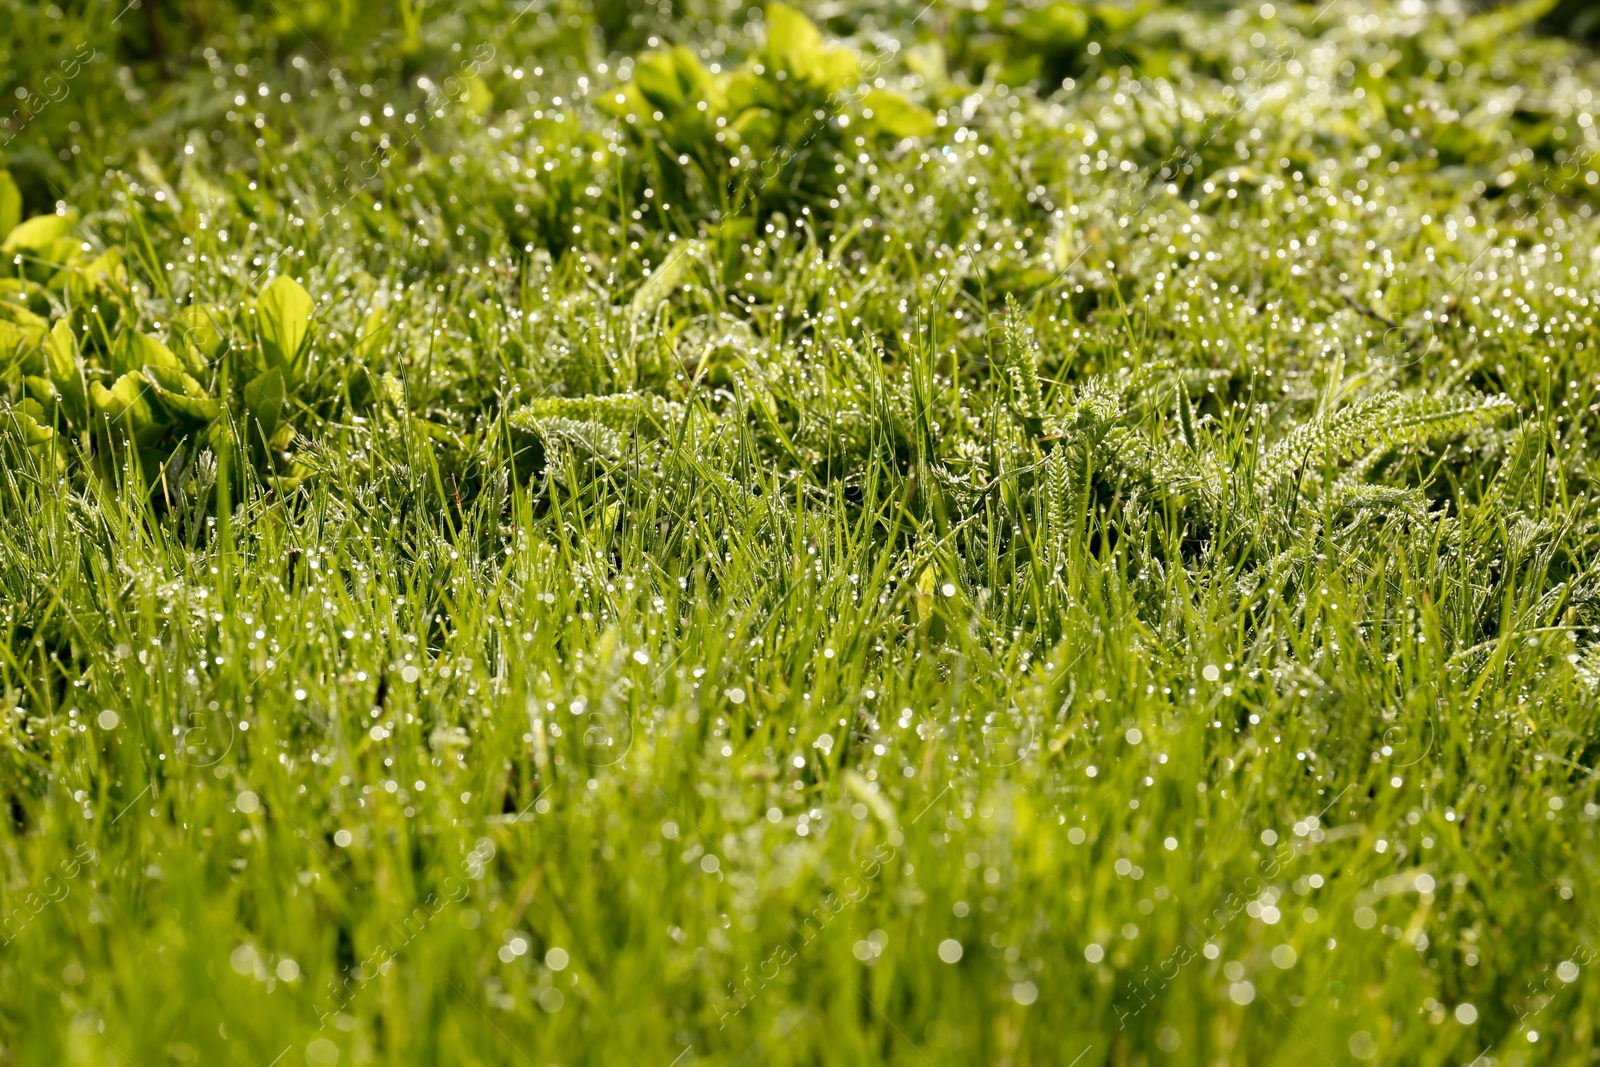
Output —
<point x="962" y="535"/>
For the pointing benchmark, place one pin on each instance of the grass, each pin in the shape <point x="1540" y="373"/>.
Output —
<point x="978" y="534"/>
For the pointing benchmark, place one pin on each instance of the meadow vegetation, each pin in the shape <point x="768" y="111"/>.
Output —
<point x="581" y="532"/>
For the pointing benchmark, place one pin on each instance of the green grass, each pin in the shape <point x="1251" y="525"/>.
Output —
<point x="1042" y="532"/>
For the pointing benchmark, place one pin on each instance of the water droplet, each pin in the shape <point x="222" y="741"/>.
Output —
<point x="322" y="1053"/>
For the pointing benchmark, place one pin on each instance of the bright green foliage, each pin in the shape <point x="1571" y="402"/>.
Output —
<point x="762" y="136"/>
<point x="1015" y="533"/>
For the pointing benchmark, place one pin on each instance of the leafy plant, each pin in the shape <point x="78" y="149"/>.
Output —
<point x="765" y="135"/>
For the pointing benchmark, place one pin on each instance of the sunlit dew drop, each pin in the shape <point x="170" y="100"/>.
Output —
<point x="342" y="838"/>
<point x="1024" y="993"/>
<point x="1567" y="971"/>
<point x="1210" y="672"/>
<point x="1094" y="953"/>
<point x="107" y="719"/>
<point x="950" y="950"/>
<point x="409" y="673"/>
<point x="247" y="802"/>
<point x="1466" y="1014"/>
<point x="244" y="959"/>
<point x="322" y="1053"/>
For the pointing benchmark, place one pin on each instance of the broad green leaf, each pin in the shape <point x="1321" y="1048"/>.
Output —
<point x="37" y="234"/>
<point x="747" y="90"/>
<point x="181" y="394"/>
<point x="30" y="422"/>
<point x="263" y="399"/>
<point x="285" y="309"/>
<point x="796" y="47"/>
<point x="669" y="80"/>
<point x="897" y="116"/>
<point x="657" y="82"/>
<point x="66" y="373"/>
<point x="1115" y="18"/>
<point x="42" y="393"/>
<point x="757" y="127"/>
<point x="21" y="333"/>
<point x="1059" y="26"/>
<point x="10" y="203"/>
<point x="476" y="96"/>
<point x="61" y="259"/>
<point x="13" y="342"/>
<point x="137" y="351"/>
<point x="201" y="336"/>
<point x="126" y="403"/>
<point x="794" y="44"/>
<point x="835" y="69"/>
<point x="97" y="275"/>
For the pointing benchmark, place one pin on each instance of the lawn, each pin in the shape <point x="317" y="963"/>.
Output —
<point x="578" y="532"/>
